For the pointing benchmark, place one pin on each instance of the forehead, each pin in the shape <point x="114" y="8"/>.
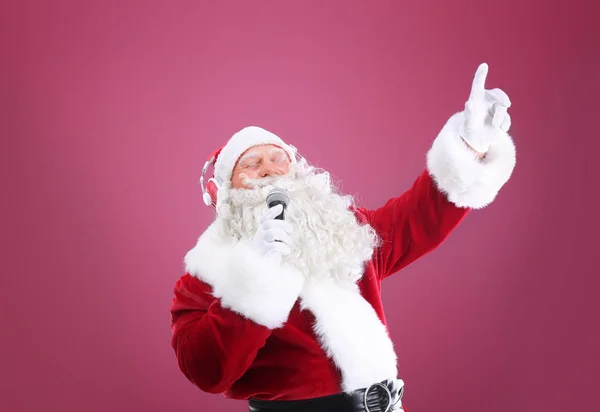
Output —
<point x="262" y="150"/>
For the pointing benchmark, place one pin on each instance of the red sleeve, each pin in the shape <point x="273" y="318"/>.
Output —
<point x="412" y="224"/>
<point x="214" y="346"/>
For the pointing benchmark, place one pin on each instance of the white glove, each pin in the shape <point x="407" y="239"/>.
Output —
<point x="485" y="112"/>
<point x="272" y="239"/>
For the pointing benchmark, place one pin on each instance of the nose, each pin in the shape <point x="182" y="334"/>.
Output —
<point x="269" y="169"/>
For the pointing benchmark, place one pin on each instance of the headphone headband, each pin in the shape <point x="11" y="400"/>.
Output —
<point x="209" y="193"/>
<point x="207" y="164"/>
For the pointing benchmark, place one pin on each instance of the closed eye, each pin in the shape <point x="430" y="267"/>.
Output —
<point x="279" y="159"/>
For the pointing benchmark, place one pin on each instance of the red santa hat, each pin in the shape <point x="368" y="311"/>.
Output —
<point x="228" y="155"/>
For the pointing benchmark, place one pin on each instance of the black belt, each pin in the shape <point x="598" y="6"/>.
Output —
<point x="380" y="397"/>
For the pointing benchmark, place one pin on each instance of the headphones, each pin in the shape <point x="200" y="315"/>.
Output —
<point x="209" y="193"/>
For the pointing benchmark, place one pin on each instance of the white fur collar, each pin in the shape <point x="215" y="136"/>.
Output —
<point x="346" y="326"/>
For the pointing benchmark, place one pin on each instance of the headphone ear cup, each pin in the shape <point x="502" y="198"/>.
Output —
<point x="212" y="187"/>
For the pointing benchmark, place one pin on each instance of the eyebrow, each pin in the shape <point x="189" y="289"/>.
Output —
<point x="276" y="150"/>
<point x="248" y="155"/>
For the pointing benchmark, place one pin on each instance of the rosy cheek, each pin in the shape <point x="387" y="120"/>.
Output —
<point x="251" y="173"/>
<point x="238" y="180"/>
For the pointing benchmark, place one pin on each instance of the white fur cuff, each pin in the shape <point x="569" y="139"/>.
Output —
<point x="466" y="180"/>
<point x="257" y="288"/>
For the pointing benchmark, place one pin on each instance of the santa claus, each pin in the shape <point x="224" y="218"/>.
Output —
<point x="282" y="307"/>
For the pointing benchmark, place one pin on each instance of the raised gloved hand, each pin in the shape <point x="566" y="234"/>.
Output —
<point x="485" y="112"/>
<point x="272" y="239"/>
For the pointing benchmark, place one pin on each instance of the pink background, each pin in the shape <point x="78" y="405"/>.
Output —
<point x="109" y="109"/>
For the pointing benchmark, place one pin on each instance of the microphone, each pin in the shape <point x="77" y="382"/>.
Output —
<point x="276" y="197"/>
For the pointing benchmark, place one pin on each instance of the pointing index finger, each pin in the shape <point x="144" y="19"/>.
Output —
<point x="478" y="87"/>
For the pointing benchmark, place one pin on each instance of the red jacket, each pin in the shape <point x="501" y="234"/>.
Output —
<point x="279" y="339"/>
<point x="221" y="351"/>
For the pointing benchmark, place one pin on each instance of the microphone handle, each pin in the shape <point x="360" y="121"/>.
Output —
<point x="275" y="203"/>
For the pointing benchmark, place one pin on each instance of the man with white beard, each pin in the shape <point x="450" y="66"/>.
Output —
<point x="286" y="312"/>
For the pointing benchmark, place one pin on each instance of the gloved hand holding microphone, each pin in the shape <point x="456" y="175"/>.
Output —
<point x="273" y="237"/>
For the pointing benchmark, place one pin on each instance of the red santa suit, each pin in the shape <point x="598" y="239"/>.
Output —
<point x="273" y="336"/>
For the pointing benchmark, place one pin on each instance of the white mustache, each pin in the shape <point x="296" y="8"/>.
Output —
<point x="263" y="182"/>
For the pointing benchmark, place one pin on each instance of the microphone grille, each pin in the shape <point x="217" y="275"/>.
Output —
<point x="278" y="195"/>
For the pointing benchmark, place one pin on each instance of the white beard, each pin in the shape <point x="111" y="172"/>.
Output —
<point x="327" y="241"/>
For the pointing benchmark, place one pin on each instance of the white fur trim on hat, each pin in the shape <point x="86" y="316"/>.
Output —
<point x="240" y="142"/>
